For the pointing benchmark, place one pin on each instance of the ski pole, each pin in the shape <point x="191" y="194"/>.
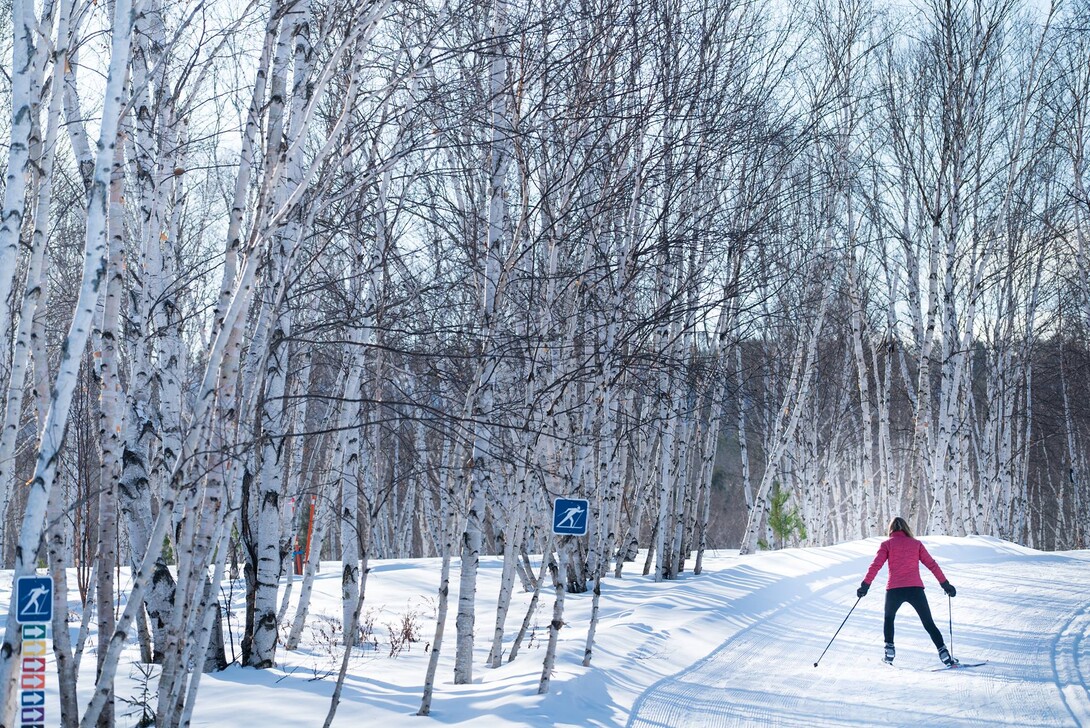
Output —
<point x="950" y="608"/>
<point x="838" y="631"/>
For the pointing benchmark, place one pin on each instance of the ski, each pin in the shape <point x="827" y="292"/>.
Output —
<point x="959" y="665"/>
<point x="944" y="668"/>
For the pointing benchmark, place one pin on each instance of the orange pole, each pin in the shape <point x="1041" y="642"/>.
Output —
<point x="310" y="528"/>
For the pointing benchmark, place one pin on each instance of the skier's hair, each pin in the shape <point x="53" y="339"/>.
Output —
<point x="900" y="524"/>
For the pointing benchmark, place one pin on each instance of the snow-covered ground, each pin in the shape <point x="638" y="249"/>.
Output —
<point x="735" y="646"/>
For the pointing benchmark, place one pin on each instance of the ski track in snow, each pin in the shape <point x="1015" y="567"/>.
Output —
<point x="1068" y="658"/>
<point x="734" y="646"/>
<point x="1026" y="612"/>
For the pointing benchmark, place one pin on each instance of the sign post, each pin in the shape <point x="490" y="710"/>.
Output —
<point x="570" y="516"/>
<point x="33" y="613"/>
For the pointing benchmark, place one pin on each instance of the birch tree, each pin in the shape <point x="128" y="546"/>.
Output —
<point x="61" y="396"/>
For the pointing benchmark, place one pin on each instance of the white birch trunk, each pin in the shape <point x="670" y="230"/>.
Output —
<point x="219" y="372"/>
<point x="555" y="625"/>
<point x="349" y="510"/>
<point x="513" y="535"/>
<point x="454" y="478"/>
<point x="743" y="446"/>
<point x="24" y="63"/>
<point x="293" y="483"/>
<point x="56" y="550"/>
<point x="481" y="398"/>
<point x="310" y="570"/>
<point x="262" y="512"/>
<point x="532" y="608"/>
<point x="869" y="521"/>
<point x="94" y="267"/>
<point x="34" y="290"/>
<point x="667" y="474"/>
<point x="111" y="415"/>
<point x="150" y="299"/>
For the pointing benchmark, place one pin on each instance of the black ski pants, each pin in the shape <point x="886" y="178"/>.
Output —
<point x="913" y="595"/>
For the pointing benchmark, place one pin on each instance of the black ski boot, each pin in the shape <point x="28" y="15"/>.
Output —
<point x="944" y="655"/>
<point x="890" y="653"/>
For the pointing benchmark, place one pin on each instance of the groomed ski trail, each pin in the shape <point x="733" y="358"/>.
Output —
<point x="1024" y="611"/>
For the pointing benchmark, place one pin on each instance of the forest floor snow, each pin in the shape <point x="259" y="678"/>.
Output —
<point x="734" y="646"/>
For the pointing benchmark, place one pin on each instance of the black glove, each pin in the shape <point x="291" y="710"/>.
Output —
<point x="949" y="589"/>
<point x="863" y="588"/>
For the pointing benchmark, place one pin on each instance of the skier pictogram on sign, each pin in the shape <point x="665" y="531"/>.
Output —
<point x="570" y="516"/>
<point x="34" y="599"/>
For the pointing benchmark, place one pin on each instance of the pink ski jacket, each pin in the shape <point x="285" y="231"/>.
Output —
<point x="904" y="555"/>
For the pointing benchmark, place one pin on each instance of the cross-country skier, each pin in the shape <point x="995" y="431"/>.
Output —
<point x="905" y="554"/>
<point x="33" y="603"/>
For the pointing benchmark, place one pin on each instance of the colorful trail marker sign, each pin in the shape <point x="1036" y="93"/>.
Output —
<point x="33" y="612"/>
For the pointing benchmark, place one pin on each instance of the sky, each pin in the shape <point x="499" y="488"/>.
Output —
<point x="735" y="646"/>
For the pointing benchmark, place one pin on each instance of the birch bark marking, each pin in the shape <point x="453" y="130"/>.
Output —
<point x="73" y="113"/>
<point x="925" y="339"/>
<point x="1080" y="169"/>
<point x="1022" y="460"/>
<point x="269" y="481"/>
<point x="170" y="350"/>
<point x="350" y="498"/>
<point x="440" y="629"/>
<point x="588" y="649"/>
<point x="668" y="477"/>
<point x="94" y="271"/>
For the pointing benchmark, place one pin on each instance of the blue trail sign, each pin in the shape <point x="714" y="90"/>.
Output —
<point x="34" y="599"/>
<point x="570" y="516"/>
